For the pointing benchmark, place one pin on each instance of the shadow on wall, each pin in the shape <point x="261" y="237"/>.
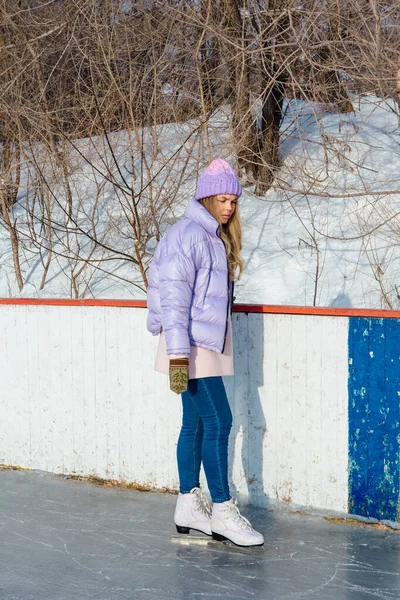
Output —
<point x="249" y="423"/>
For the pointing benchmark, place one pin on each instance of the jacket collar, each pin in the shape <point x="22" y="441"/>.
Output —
<point x="196" y="212"/>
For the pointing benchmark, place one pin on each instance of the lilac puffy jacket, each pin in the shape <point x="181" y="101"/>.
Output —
<point x="188" y="293"/>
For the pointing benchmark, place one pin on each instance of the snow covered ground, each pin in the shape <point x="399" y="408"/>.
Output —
<point x="327" y="233"/>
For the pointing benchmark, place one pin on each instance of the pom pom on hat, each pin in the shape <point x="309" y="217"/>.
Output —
<point x="218" y="178"/>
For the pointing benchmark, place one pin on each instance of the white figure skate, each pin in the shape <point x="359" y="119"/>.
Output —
<point x="228" y="524"/>
<point x="222" y="539"/>
<point x="193" y="511"/>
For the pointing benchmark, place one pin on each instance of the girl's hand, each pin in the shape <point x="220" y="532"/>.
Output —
<point x="178" y="374"/>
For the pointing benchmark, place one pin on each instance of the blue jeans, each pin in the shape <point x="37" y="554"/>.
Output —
<point x="206" y="423"/>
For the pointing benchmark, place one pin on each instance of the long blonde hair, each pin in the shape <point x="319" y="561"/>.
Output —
<point x="231" y="235"/>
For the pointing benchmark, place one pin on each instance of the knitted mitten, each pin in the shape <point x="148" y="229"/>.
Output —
<point x="178" y="374"/>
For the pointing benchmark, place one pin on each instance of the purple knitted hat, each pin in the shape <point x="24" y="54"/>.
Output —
<point x="218" y="178"/>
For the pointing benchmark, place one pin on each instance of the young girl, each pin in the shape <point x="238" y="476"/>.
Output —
<point x="189" y="301"/>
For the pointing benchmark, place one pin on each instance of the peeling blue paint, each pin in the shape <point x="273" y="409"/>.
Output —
<point x="374" y="417"/>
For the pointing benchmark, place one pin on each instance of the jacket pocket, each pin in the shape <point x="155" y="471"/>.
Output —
<point x="206" y="286"/>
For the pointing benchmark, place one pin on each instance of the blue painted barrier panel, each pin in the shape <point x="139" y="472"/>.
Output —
<point x="374" y="417"/>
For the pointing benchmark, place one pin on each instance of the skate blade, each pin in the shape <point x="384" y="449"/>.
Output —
<point x="188" y="540"/>
<point x="207" y="542"/>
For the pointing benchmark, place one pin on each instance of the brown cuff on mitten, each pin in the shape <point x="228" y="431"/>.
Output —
<point x="179" y="362"/>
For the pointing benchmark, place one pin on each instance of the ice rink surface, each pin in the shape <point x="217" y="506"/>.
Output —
<point x="62" y="539"/>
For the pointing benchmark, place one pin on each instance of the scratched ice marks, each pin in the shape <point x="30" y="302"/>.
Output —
<point x="69" y="540"/>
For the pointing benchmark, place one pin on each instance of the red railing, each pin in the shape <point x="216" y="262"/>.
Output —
<point x="242" y="308"/>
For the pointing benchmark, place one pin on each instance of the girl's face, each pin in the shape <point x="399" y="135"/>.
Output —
<point x="225" y="207"/>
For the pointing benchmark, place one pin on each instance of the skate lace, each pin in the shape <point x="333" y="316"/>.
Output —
<point x="237" y="518"/>
<point x="202" y="502"/>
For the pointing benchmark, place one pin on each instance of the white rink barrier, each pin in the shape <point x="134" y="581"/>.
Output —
<point x="314" y="401"/>
<point x="80" y="396"/>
